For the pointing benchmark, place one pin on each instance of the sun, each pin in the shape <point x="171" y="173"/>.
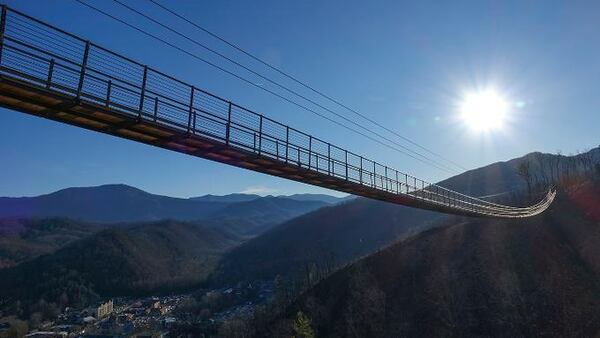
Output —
<point x="484" y="110"/>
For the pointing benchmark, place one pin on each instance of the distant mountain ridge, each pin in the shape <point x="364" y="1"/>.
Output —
<point x="230" y="198"/>
<point x="106" y="204"/>
<point x="320" y="197"/>
<point x="116" y="203"/>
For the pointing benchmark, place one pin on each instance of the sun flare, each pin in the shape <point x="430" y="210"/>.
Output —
<point x="484" y="110"/>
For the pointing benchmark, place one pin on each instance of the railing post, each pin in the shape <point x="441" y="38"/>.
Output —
<point x="309" y="151"/>
<point x="328" y="158"/>
<point x="287" y="142"/>
<point x="346" y="164"/>
<point x="2" y="29"/>
<point x="415" y="184"/>
<point x="50" y="71"/>
<point x="191" y="110"/>
<point x="386" y="179"/>
<point x="260" y="127"/>
<point x="397" y="183"/>
<point x="108" y="92"/>
<point x="228" y="126"/>
<point x="374" y="174"/>
<point x="143" y="92"/>
<point x="361" y="170"/>
<point x="86" y="53"/>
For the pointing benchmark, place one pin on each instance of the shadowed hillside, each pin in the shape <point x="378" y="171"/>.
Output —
<point x="159" y="256"/>
<point x="475" y="277"/>
<point x="330" y="235"/>
<point x="24" y="239"/>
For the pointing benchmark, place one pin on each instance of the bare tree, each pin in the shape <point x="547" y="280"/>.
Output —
<point x="524" y="170"/>
<point x="558" y="159"/>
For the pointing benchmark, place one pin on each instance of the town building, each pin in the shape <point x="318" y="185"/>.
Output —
<point x="104" y="309"/>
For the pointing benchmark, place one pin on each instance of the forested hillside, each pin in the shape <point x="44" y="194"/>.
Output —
<point x="25" y="239"/>
<point x="163" y="256"/>
<point x="474" y="277"/>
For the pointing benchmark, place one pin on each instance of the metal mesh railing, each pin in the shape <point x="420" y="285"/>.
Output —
<point x="47" y="57"/>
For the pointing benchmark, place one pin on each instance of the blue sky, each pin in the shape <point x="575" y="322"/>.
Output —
<point x="403" y="64"/>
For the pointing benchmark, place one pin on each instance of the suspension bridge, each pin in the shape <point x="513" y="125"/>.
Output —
<point x="50" y="73"/>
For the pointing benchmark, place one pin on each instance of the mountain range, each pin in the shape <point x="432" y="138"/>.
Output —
<point x="30" y="227"/>
<point x="121" y="203"/>
<point x="240" y="197"/>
